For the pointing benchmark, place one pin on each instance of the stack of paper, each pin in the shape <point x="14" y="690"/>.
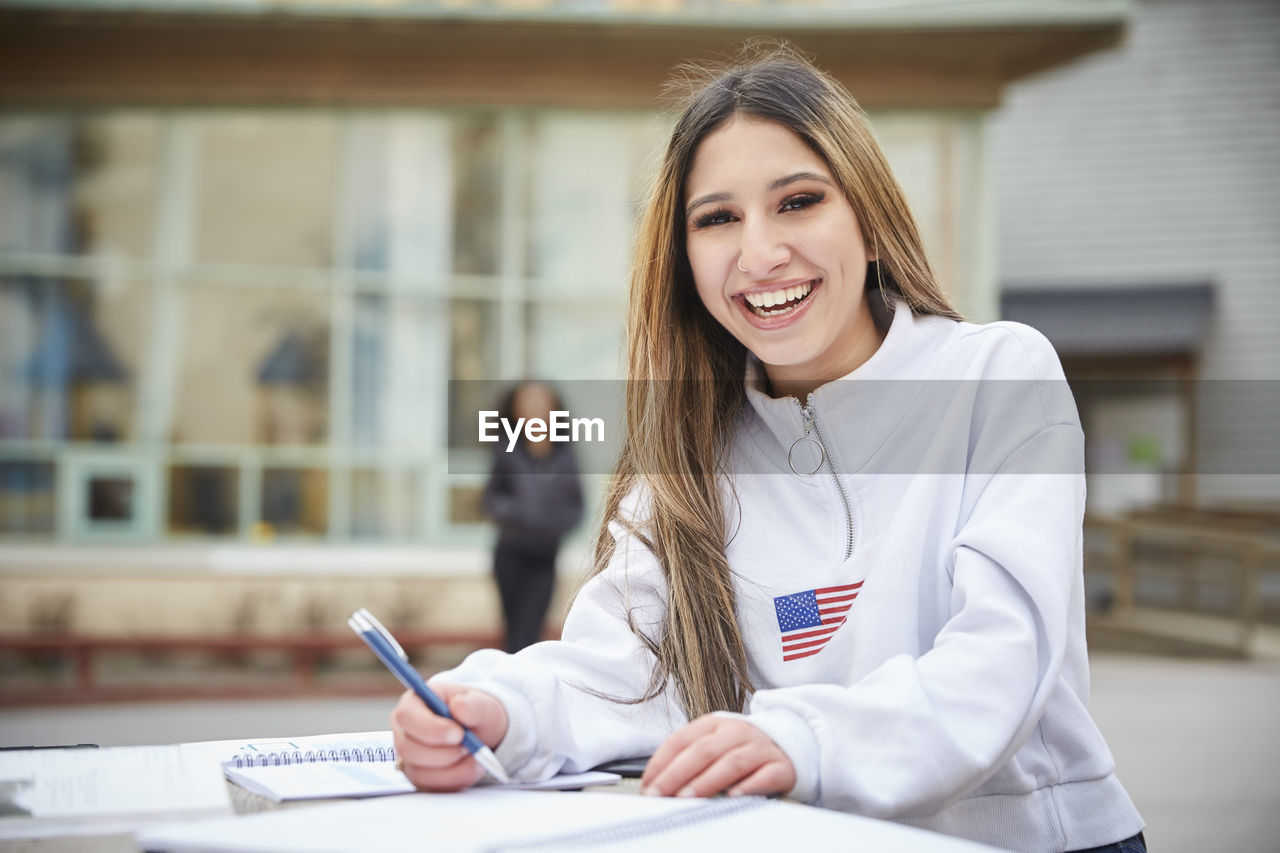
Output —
<point x="100" y="791"/>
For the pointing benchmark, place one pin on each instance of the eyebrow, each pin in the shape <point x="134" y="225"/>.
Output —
<point x="712" y="198"/>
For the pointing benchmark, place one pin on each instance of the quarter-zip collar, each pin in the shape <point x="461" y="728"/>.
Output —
<point x="785" y="420"/>
<point x="810" y="447"/>
<point x="860" y="412"/>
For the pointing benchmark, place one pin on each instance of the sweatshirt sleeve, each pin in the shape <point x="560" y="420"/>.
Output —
<point x="918" y="733"/>
<point x="571" y="702"/>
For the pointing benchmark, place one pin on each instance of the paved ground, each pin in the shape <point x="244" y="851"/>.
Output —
<point x="1197" y="742"/>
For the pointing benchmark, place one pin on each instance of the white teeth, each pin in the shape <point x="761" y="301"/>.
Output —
<point x="778" y="297"/>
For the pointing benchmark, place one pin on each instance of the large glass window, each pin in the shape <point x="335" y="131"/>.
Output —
<point x="244" y="323"/>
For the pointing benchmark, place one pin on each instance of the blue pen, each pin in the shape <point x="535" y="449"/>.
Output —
<point x="384" y="645"/>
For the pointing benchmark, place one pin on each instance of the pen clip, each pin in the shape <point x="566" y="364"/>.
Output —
<point x="362" y="621"/>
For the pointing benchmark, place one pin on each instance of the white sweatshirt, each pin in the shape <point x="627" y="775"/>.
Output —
<point x="913" y="612"/>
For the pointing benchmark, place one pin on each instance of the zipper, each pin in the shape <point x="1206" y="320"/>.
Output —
<point x="813" y="432"/>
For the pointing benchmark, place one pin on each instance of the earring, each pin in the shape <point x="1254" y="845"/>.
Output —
<point x="740" y="269"/>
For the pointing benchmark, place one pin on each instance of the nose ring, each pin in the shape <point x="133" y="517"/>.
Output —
<point x="740" y="269"/>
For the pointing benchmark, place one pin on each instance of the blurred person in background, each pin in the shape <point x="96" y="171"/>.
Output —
<point x="535" y="497"/>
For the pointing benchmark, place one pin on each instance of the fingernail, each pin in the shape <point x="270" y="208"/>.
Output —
<point x="734" y="793"/>
<point x="686" y="792"/>
<point x="650" y="791"/>
<point x="455" y="737"/>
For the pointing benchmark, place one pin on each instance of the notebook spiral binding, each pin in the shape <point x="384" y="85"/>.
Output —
<point x="311" y="756"/>
<point x="593" y="838"/>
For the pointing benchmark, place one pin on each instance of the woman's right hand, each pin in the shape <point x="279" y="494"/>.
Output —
<point x="429" y="747"/>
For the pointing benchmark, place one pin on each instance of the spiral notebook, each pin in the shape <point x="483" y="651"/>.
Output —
<point x="358" y="764"/>
<point x="493" y="820"/>
<point x="356" y="747"/>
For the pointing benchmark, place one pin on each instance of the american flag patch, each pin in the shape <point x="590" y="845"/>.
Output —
<point x="808" y="619"/>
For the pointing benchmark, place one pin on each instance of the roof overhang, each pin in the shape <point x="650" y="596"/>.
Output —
<point x="890" y="54"/>
<point x="1166" y="322"/>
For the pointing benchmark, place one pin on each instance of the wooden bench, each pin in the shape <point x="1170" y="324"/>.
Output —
<point x="303" y="652"/>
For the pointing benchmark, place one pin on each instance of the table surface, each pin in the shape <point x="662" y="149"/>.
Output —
<point x="242" y="801"/>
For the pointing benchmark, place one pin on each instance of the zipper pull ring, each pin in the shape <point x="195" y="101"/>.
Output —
<point x="807" y="411"/>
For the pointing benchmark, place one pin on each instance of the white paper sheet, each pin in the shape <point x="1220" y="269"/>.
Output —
<point x="54" y="790"/>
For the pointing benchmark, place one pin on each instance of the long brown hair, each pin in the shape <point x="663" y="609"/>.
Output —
<point x="687" y="371"/>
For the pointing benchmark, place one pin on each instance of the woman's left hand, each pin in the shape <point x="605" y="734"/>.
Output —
<point x="714" y="754"/>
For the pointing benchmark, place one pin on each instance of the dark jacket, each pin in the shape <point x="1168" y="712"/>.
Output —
<point x="535" y="502"/>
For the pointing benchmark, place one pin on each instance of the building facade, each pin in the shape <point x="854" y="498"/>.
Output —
<point x="245" y="249"/>
<point x="1154" y="169"/>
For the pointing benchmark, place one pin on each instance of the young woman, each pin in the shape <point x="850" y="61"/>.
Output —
<point x="842" y="553"/>
<point x="535" y="497"/>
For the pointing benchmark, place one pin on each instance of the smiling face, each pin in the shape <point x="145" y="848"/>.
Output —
<point x="757" y="198"/>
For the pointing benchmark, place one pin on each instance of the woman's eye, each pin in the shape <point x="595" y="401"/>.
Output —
<point x="800" y="202"/>
<point x="715" y="217"/>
